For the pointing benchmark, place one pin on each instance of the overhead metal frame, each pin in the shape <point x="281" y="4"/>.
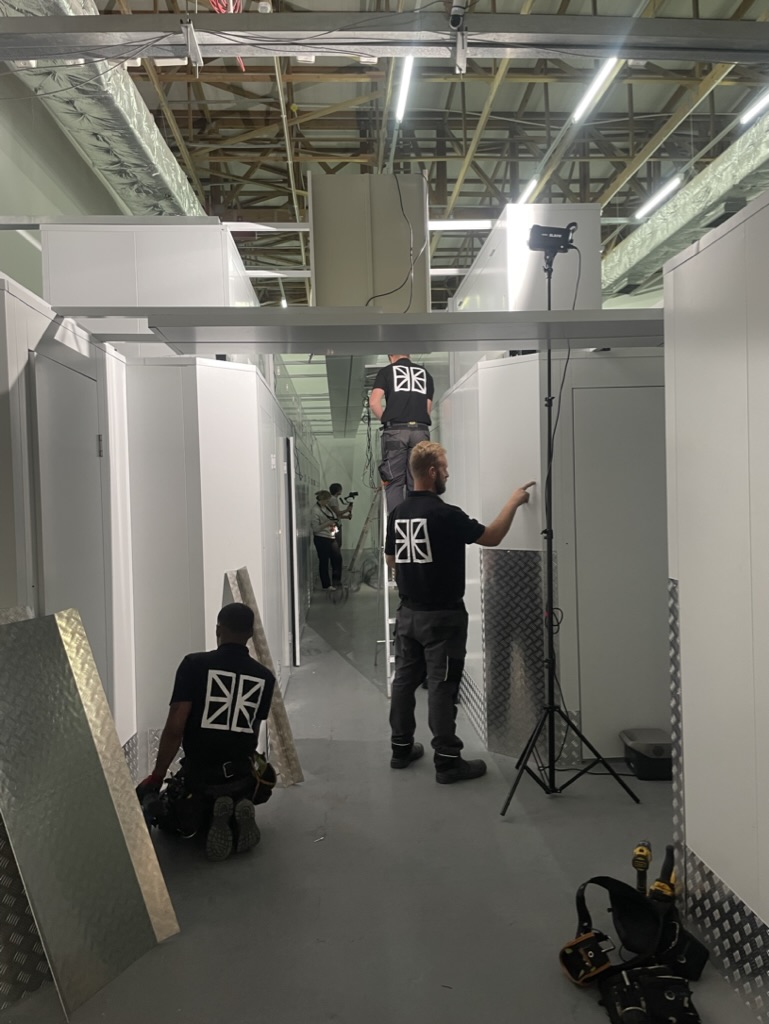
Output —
<point x="388" y="35"/>
<point x="212" y="330"/>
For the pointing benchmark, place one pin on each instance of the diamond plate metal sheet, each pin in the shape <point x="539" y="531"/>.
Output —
<point x="132" y="753"/>
<point x="676" y="723"/>
<point x="513" y="646"/>
<point x="23" y="964"/>
<point x="100" y="902"/>
<point x="473" y="700"/>
<point x="738" y="940"/>
<point x="15" y="614"/>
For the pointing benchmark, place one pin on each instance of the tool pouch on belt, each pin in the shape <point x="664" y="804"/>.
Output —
<point x="651" y="929"/>
<point x="648" y="995"/>
<point x="265" y="777"/>
<point x="586" y="956"/>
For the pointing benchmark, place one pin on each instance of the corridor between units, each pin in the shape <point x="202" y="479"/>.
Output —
<point x="380" y="896"/>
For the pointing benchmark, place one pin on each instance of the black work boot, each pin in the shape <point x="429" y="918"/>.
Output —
<point x="405" y="753"/>
<point x="454" y="768"/>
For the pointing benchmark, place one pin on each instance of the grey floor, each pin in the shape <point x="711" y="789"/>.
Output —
<point x="379" y="896"/>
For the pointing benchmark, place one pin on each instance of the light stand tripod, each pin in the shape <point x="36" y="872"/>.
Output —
<point x="551" y="241"/>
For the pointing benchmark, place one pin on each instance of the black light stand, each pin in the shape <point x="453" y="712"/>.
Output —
<point x="551" y="241"/>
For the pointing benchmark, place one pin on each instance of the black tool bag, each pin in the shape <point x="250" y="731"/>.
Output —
<point x="648" y="995"/>
<point x="649" y="928"/>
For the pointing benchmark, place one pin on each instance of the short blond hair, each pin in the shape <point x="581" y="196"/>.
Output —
<point x="424" y="456"/>
<point x="322" y="495"/>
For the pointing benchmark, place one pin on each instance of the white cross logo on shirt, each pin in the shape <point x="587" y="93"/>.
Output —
<point x="410" y="378"/>
<point x="412" y="541"/>
<point x="232" y="701"/>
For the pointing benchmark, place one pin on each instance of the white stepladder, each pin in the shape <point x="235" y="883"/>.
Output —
<point x="389" y="620"/>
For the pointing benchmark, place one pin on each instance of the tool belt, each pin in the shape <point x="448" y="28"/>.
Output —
<point x="666" y="957"/>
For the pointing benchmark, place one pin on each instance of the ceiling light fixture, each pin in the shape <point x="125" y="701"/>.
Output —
<point x="593" y="90"/>
<point x="756" y="109"/>
<point x="408" y="67"/>
<point x="256" y="227"/>
<point x="659" y="197"/>
<point x="526" y="194"/>
<point x="305" y="58"/>
<point x="447" y="272"/>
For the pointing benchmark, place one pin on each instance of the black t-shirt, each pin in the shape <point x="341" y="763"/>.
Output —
<point x="231" y="694"/>
<point x="427" y="537"/>
<point x="407" y="387"/>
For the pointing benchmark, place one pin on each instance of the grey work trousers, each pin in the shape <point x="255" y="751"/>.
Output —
<point x="431" y="643"/>
<point x="397" y="442"/>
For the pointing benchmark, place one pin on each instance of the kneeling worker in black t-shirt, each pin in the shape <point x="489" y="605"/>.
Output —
<point x="219" y="701"/>
<point x="425" y="545"/>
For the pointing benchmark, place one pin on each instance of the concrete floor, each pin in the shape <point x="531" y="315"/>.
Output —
<point x="379" y="896"/>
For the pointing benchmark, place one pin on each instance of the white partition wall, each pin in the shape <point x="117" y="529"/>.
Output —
<point x="124" y="262"/>
<point x="207" y="463"/>
<point x="717" y="365"/>
<point x="64" y="526"/>
<point x="506" y="274"/>
<point x="610" y="539"/>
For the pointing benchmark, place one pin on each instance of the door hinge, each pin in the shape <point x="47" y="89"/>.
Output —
<point x="100" y="443"/>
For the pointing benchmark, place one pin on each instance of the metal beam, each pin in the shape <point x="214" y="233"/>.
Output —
<point x="422" y="34"/>
<point x="170" y="117"/>
<point x="267" y="129"/>
<point x="682" y="111"/>
<point x="354" y="330"/>
<point x="499" y="77"/>
<point x="176" y="131"/>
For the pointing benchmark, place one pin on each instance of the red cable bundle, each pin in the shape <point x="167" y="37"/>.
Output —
<point x="221" y="7"/>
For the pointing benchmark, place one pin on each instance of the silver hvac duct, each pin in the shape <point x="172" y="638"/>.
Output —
<point x="104" y="116"/>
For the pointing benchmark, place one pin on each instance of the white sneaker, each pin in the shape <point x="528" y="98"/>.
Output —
<point x="332" y="588"/>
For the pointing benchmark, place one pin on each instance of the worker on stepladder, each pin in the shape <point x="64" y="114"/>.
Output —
<point x="408" y="393"/>
<point x="425" y="544"/>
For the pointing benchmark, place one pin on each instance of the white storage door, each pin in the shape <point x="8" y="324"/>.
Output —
<point x="621" y="530"/>
<point x="69" y="512"/>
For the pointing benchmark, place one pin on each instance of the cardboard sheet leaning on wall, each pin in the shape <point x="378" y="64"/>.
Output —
<point x="283" y="753"/>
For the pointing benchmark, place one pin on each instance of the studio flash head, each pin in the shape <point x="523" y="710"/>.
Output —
<point x="552" y="240"/>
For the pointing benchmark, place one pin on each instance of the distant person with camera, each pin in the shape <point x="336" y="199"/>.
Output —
<point x="407" y="390"/>
<point x="342" y="506"/>
<point x="325" y="531"/>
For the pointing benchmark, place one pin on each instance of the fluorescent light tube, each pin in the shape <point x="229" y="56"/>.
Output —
<point x="447" y="272"/>
<point x="659" y="197"/>
<point x="592" y="91"/>
<point x="252" y="227"/>
<point x="408" y="67"/>
<point x="459" y="225"/>
<point x="526" y="194"/>
<point x="756" y="109"/>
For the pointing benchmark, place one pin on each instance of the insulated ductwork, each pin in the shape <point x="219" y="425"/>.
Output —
<point x="735" y="177"/>
<point x="106" y="119"/>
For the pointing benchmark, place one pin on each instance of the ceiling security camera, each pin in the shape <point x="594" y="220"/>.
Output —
<point x="457" y="15"/>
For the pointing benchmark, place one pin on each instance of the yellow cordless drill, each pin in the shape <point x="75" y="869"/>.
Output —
<point x="665" y="886"/>
<point x="642" y="858"/>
